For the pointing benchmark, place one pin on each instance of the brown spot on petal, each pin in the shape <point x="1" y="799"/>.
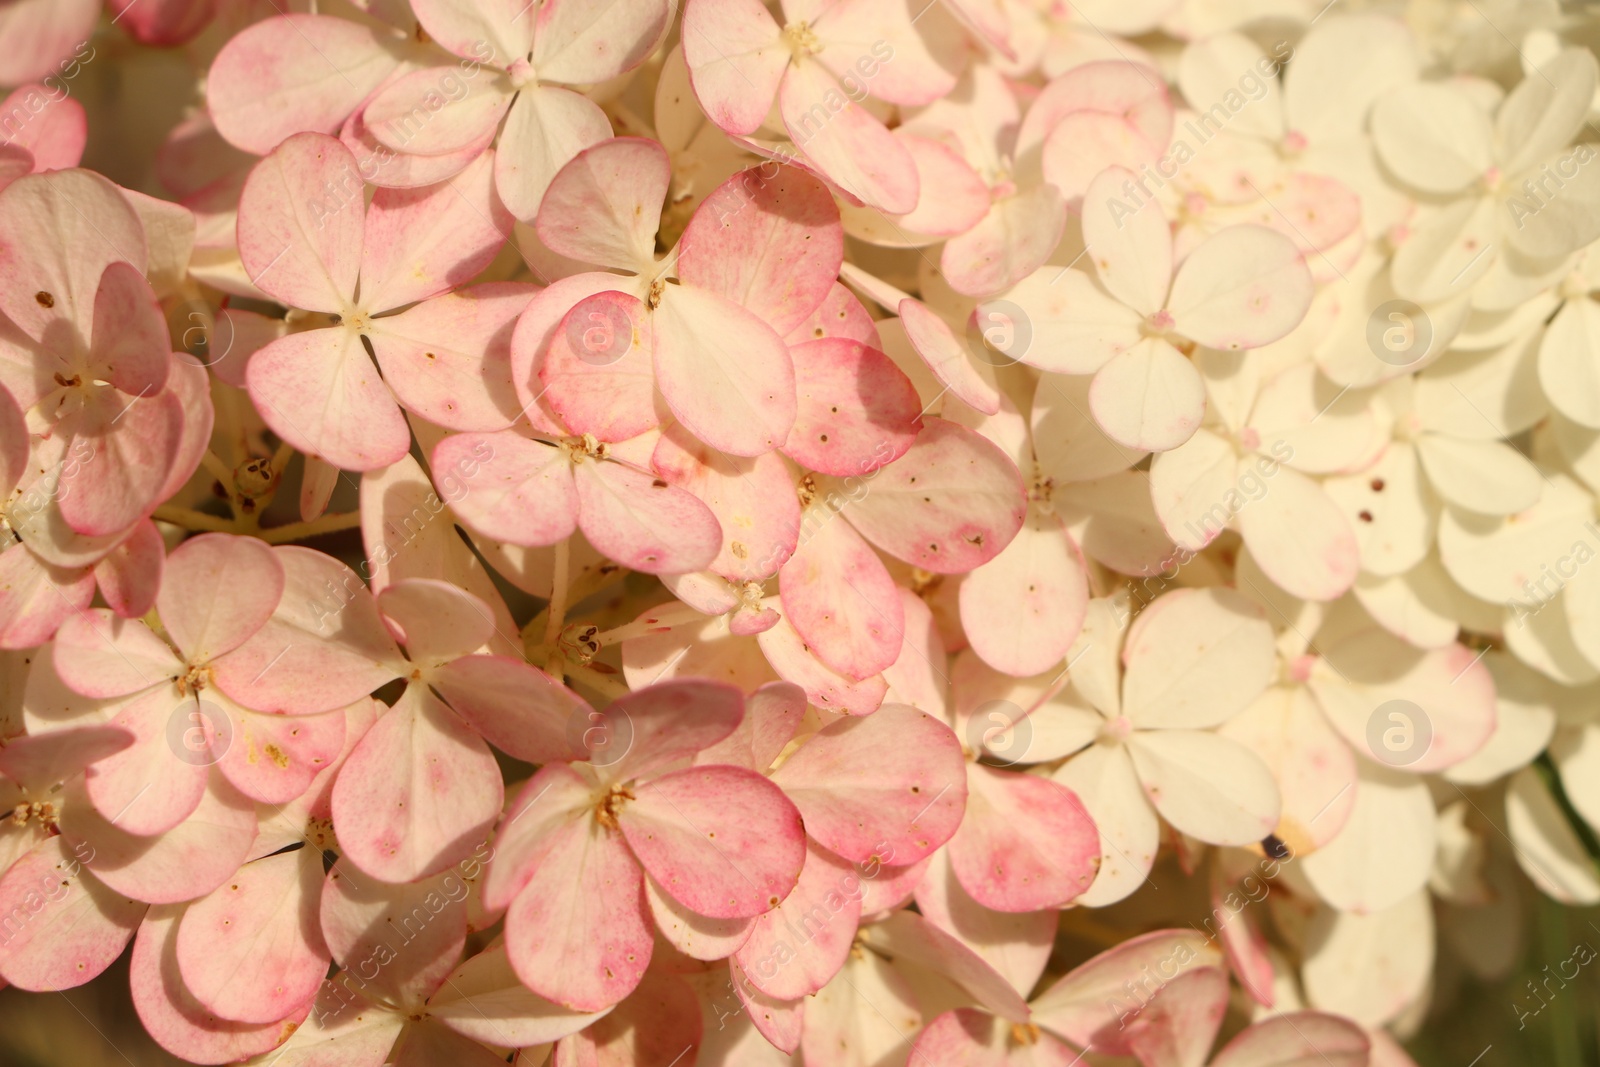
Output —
<point x="45" y="299"/>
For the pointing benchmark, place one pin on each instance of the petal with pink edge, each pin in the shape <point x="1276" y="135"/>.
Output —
<point x="36" y="598"/>
<point x="722" y="841"/>
<point x="949" y="357"/>
<point x="1013" y="239"/>
<point x="484" y="1000"/>
<point x="419" y="791"/>
<point x="604" y="206"/>
<point x="1196" y="660"/>
<point x="723" y="371"/>
<point x="170" y="1013"/>
<point x="950" y="504"/>
<point x="185" y="862"/>
<point x="55" y="133"/>
<point x="798" y="946"/>
<point x="975" y="1038"/>
<point x="1175" y="1027"/>
<point x="598" y="373"/>
<point x="100" y="655"/>
<point x="1084" y="143"/>
<point x="413" y="113"/>
<point x="296" y="242"/>
<point x="840" y="599"/>
<point x="790" y="657"/>
<point x="845" y="141"/>
<point x="417" y="930"/>
<point x="661" y="727"/>
<point x="64" y="925"/>
<point x="129" y="576"/>
<point x="771" y="243"/>
<point x="449" y="359"/>
<point x="737" y="58"/>
<point x="128" y="344"/>
<point x="353" y="422"/>
<point x="889" y="787"/>
<point x="1301" y="1037"/>
<point x="436" y="621"/>
<point x="272" y="759"/>
<point x="1026" y="842"/>
<point x="578" y="933"/>
<point x="642" y="522"/>
<point x="520" y="491"/>
<point x="906" y="935"/>
<point x="580" y="44"/>
<point x="252" y="950"/>
<point x="696" y="936"/>
<point x="856" y="410"/>
<point x="423" y="242"/>
<point x="1301" y="538"/>
<point x="219" y="590"/>
<point x="1245" y="287"/>
<point x="274" y="79"/>
<point x="517" y="708"/>
<point x="123" y="454"/>
<point x="1023" y="609"/>
<point x="324" y="647"/>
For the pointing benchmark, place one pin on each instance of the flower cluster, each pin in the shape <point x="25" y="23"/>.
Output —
<point x="648" y="533"/>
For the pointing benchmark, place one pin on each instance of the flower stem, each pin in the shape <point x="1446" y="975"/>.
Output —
<point x="672" y="613"/>
<point x="190" y="519"/>
<point x="558" y="593"/>
<point x="299" y="531"/>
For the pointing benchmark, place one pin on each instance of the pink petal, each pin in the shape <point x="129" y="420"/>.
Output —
<point x="437" y="621"/>
<point x="1175" y="1028"/>
<point x="659" y="1021"/>
<point x="691" y="933"/>
<point x="737" y="57"/>
<point x="55" y="130"/>
<point x="512" y="489"/>
<point x="403" y="940"/>
<point x="423" y="242"/>
<point x="219" y="590"/>
<point x="579" y="932"/>
<point x="324" y="647"/>
<point x="642" y="522"/>
<point x="272" y="759"/>
<point x="449" y="359"/>
<point x="963" y="198"/>
<point x="772" y="714"/>
<point x="36" y="598"/>
<point x="100" y="655"/>
<point x="1301" y="539"/>
<point x="1245" y="287"/>
<point x="530" y="341"/>
<point x="845" y="141"/>
<point x="1084" y="143"/>
<point x="776" y="1020"/>
<point x="38" y="761"/>
<point x="275" y="79"/>
<point x="546" y="128"/>
<point x="58" y="233"/>
<point x="723" y="371"/>
<point x="425" y="1043"/>
<point x="1297" y="1037"/>
<point x="64" y="926"/>
<point x="164" y="23"/>
<point x="301" y="221"/>
<point x="839" y="315"/>
<point x="1013" y="239"/>
<point x="722" y="841"/>
<point x="128" y="343"/>
<point x="598" y="373"/>
<point x="252" y="950"/>
<point x="1015" y="944"/>
<point x="797" y="947"/>
<point x="354" y="423"/>
<point x="1023" y="609"/>
<point x="123" y="451"/>
<point x="974" y="1038"/>
<point x="1134" y="92"/>
<point x="436" y="112"/>
<point x="1026" y="843"/>
<point x="604" y="206"/>
<point x="661" y="727"/>
<point x="794" y="662"/>
<point x="187" y="861"/>
<point x="517" y="708"/>
<point x="419" y="791"/>
<point x="856" y="410"/>
<point x="949" y="357"/>
<point x="952" y="503"/>
<point x="1090" y="1004"/>
<point x="840" y="599"/>
<point x="390" y="169"/>
<point x="158" y="782"/>
<point x="41" y="37"/>
<point x="129" y="576"/>
<point x="1132" y="249"/>
<point x="887" y="788"/>
<point x="770" y="243"/>
<point x="13" y="443"/>
<point x="753" y="501"/>
<point x="170" y="1013"/>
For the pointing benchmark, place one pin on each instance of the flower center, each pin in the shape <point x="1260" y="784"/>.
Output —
<point x="579" y="449"/>
<point x="522" y="74"/>
<point x="801" y="41"/>
<point x="1117" y="730"/>
<point x="610" y="806"/>
<point x="1294" y="142"/>
<point x="1160" y="324"/>
<point x="194" y="680"/>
